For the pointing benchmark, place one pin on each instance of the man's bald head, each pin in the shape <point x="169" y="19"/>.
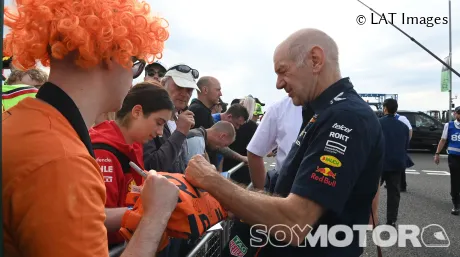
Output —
<point x="210" y="91"/>
<point x="225" y="127"/>
<point x="300" y="43"/>
<point x="207" y="81"/>
<point x="306" y="63"/>
<point x="220" y="135"/>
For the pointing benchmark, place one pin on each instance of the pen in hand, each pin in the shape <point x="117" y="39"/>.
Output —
<point x="176" y="115"/>
<point x="138" y="169"/>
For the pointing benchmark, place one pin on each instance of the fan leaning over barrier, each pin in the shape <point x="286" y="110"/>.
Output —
<point x="195" y="213"/>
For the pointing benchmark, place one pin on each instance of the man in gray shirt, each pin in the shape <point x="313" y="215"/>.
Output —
<point x="168" y="152"/>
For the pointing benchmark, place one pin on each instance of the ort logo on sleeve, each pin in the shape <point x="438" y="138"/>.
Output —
<point x="331" y="161"/>
<point x="338" y="136"/>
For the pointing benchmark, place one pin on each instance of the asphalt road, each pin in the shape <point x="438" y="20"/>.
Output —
<point x="426" y="202"/>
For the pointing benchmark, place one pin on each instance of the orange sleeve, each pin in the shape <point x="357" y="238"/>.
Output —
<point x="58" y="210"/>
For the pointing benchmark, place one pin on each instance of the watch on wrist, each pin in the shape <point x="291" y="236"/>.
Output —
<point x="437" y="153"/>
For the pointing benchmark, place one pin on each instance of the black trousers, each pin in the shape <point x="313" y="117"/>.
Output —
<point x="392" y="180"/>
<point x="270" y="180"/>
<point x="454" y="168"/>
<point x="403" y="180"/>
<point x="409" y="164"/>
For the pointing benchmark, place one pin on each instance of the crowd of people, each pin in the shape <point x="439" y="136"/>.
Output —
<point x="102" y="125"/>
<point x="156" y="129"/>
<point x="72" y="141"/>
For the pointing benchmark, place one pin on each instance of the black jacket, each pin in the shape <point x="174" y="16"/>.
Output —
<point x="203" y="115"/>
<point x="396" y="136"/>
<point x="243" y="136"/>
<point x="166" y="153"/>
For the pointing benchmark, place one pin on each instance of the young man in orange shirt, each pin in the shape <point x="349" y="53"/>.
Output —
<point x="52" y="189"/>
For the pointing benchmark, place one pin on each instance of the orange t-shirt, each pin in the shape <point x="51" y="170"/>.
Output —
<point x="52" y="189"/>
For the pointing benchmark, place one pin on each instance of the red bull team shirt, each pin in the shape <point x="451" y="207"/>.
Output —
<point x="336" y="161"/>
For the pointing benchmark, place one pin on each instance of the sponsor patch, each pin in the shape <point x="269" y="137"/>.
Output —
<point x="335" y="147"/>
<point x="108" y="179"/>
<point x="136" y="189"/>
<point x="331" y="161"/>
<point x="324" y="175"/>
<point x="106" y="169"/>
<point x="237" y="248"/>
<point x="301" y="136"/>
<point x="338" y="98"/>
<point x="130" y="185"/>
<point x="103" y="160"/>
<point x="327" y="172"/>
<point x="337" y="135"/>
<point x="341" y="127"/>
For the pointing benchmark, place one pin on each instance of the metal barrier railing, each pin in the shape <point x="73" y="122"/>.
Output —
<point x="212" y="242"/>
<point x="202" y="249"/>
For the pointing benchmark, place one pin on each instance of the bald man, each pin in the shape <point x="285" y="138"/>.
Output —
<point x="208" y="96"/>
<point x="332" y="172"/>
<point x="200" y="140"/>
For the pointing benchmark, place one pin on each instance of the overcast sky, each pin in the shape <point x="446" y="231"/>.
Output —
<point x="234" y="42"/>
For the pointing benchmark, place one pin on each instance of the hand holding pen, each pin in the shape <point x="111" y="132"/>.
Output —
<point x="185" y="122"/>
<point x="158" y="194"/>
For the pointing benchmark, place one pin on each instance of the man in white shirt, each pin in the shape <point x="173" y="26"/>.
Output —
<point x="451" y="137"/>
<point x="279" y="128"/>
<point x="403" y="183"/>
<point x="404" y="120"/>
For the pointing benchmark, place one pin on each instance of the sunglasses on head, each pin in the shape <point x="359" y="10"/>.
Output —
<point x="138" y="67"/>
<point x="186" y="69"/>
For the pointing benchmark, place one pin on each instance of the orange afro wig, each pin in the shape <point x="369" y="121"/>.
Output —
<point x="96" y="30"/>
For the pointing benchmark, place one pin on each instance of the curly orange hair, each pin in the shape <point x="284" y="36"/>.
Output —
<point x="96" y="30"/>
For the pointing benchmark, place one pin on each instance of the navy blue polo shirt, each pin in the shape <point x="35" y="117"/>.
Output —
<point x="336" y="161"/>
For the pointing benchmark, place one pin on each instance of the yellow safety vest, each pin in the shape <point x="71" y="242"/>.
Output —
<point x="13" y="94"/>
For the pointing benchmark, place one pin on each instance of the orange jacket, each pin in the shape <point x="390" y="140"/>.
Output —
<point x="195" y="213"/>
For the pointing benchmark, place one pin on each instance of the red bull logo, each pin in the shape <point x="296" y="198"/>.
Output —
<point x="326" y="172"/>
<point x="328" y="177"/>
